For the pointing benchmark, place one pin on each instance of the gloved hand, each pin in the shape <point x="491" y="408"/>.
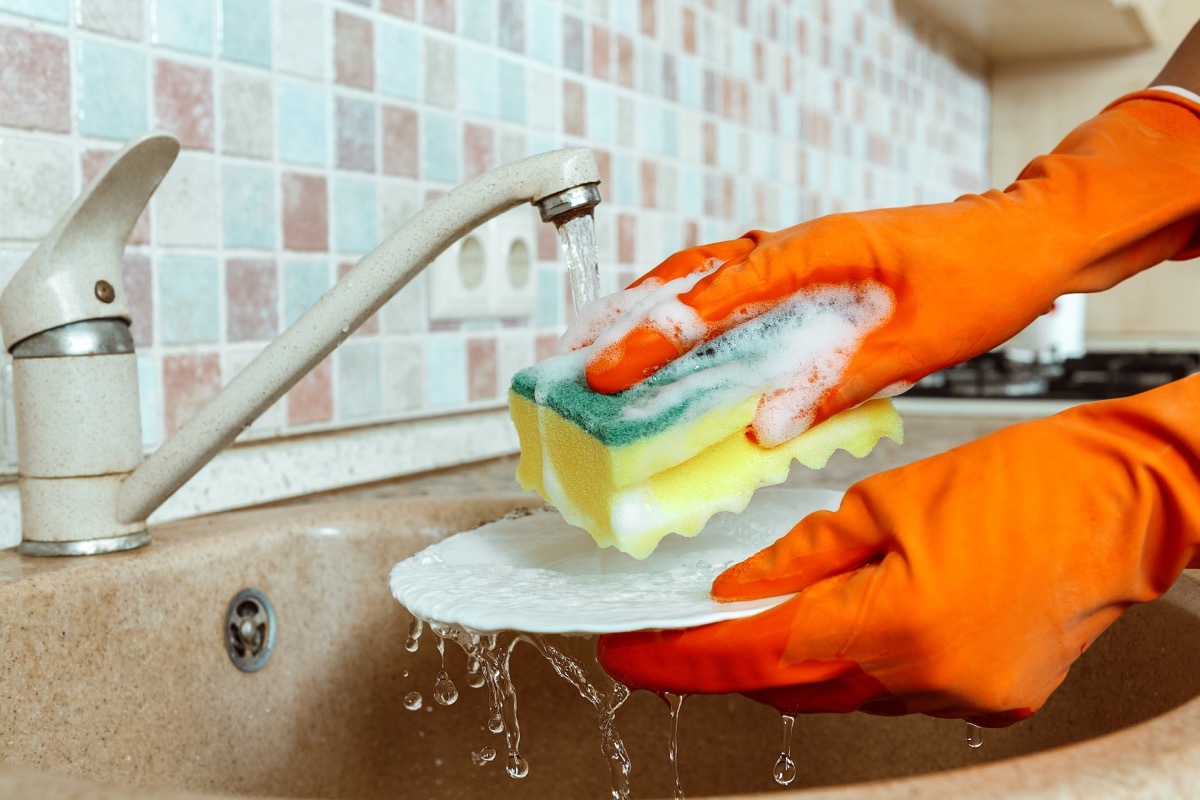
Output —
<point x="1119" y="194"/>
<point x="962" y="585"/>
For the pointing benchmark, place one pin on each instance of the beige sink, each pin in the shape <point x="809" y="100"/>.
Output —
<point x="115" y="683"/>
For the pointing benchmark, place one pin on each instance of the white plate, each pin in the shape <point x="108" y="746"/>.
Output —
<point x="538" y="574"/>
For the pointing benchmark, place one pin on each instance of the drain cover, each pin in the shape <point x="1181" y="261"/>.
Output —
<point x="250" y="630"/>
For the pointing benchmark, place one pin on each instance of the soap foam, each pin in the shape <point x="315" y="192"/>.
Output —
<point x="793" y="354"/>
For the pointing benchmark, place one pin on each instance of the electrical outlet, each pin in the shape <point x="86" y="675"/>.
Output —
<point x="459" y="284"/>
<point x="514" y="275"/>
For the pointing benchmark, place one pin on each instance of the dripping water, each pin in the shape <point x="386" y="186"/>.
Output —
<point x="675" y="701"/>
<point x="785" y="768"/>
<point x="414" y="635"/>
<point x="577" y="235"/>
<point x="974" y="735"/>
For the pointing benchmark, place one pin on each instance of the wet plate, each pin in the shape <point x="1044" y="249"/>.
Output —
<point x="538" y="574"/>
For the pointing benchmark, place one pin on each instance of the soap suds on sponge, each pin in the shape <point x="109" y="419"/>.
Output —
<point x="670" y="452"/>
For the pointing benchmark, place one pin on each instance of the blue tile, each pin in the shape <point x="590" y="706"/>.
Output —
<point x="600" y="114"/>
<point x="246" y="31"/>
<point x="248" y="206"/>
<point x="625" y="15"/>
<point x="543" y="143"/>
<point x="112" y="90"/>
<point x="185" y="25"/>
<point x="359" y="390"/>
<point x="304" y="281"/>
<point x="447" y="370"/>
<point x="149" y="401"/>
<point x="544" y="41"/>
<point x="188" y="291"/>
<point x="474" y="21"/>
<point x="669" y="145"/>
<point x="649" y="128"/>
<point x="691" y="192"/>
<point x="48" y="10"/>
<point x="355" y="226"/>
<point x="512" y="92"/>
<point x="441" y="148"/>
<point x="689" y="81"/>
<point x="398" y="53"/>
<point x="549" y="292"/>
<point x="302" y="124"/>
<point x="476" y="82"/>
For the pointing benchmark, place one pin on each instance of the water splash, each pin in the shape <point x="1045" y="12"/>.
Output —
<point x="785" y="768"/>
<point x="577" y="236"/>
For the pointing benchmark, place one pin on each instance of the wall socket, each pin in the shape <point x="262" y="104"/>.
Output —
<point x="490" y="272"/>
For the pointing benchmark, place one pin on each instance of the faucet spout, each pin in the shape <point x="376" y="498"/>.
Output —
<point x="349" y="303"/>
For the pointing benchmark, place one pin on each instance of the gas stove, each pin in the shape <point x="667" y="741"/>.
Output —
<point x="1094" y="376"/>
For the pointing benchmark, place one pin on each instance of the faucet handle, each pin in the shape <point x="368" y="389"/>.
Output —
<point x="75" y="273"/>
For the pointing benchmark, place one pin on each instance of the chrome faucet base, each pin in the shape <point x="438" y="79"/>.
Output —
<point x="85" y="547"/>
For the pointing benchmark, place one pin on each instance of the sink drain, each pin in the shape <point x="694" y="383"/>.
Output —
<point x="250" y="630"/>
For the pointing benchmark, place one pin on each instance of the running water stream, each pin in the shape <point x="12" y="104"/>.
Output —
<point x="577" y="235"/>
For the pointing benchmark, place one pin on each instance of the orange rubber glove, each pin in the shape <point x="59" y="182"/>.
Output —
<point x="1121" y="193"/>
<point x="962" y="585"/>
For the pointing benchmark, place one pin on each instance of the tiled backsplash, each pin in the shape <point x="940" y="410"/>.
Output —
<point x="312" y="128"/>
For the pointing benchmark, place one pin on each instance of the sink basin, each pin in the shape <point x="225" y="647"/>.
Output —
<point x="115" y="683"/>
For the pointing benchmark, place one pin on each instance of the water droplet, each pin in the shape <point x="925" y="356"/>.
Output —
<point x="404" y="674"/>
<point x="413" y="701"/>
<point x="444" y="690"/>
<point x="784" y="770"/>
<point x="345" y="329"/>
<point x="484" y="756"/>
<point x="496" y="724"/>
<point x="974" y="735"/>
<point x="517" y="766"/>
<point x="414" y="635"/>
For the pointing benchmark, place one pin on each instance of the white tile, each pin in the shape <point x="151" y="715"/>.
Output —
<point x="185" y="209"/>
<point x="247" y="115"/>
<point x="403" y="375"/>
<point x="514" y="352"/>
<point x="122" y="18"/>
<point x="300" y="45"/>
<point x="37" y="186"/>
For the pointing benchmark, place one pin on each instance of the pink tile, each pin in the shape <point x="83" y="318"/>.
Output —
<point x="547" y="243"/>
<point x="354" y="50"/>
<point x="401" y="8"/>
<point x="439" y="14"/>
<point x="649" y="182"/>
<point x="401" y="141"/>
<point x="311" y="400"/>
<point x="482" y="381"/>
<point x="603" y="166"/>
<point x="691" y="233"/>
<point x="139" y="294"/>
<point x="305" y="212"/>
<point x="183" y="102"/>
<point x="670" y="80"/>
<point x="601" y="52"/>
<point x="479" y="150"/>
<point x="35" y="80"/>
<point x="760" y="60"/>
<point x="91" y="162"/>
<point x="574" y="108"/>
<point x="190" y="380"/>
<point x="252" y="294"/>
<point x="689" y="30"/>
<point x="372" y="324"/>
<point x="625" y="62"/>
<point x="626" y="238"/>
<point x="648" y="18"/>
<point x="709" y="133"/>
<point x="729" y="195"/>
<point x="544" y="346"/>
<point x="512" y="25"/>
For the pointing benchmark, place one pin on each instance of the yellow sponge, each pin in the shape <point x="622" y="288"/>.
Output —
<point x="629" y="479"/>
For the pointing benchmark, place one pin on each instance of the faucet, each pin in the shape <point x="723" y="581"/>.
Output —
<point x="84" y="485"/>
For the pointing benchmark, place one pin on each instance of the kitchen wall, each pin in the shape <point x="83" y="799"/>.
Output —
<point x="312" y="128"/>
<point x="1035" y="104"/>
